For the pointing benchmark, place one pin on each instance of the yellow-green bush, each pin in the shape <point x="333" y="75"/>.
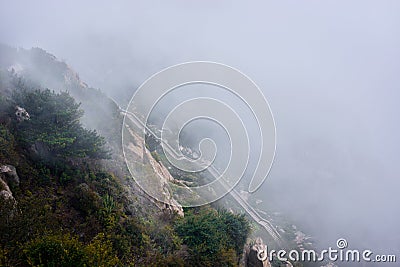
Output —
<point x="7" y="153"/>
<point x="55" y="250"/>
<point x="64" y="250"/>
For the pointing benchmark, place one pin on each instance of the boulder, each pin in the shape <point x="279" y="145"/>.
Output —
<point x="251" y="252"/>
<point x="9" y="174"/>
<point x="21" y="114"/>
<point x="8" y="204"/>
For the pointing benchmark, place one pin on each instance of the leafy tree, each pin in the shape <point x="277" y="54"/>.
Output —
<point x="54" y="129"/>
<point x="214" y="238"/>
<point x="55" y="250"/>
<point x="237" y="229"/>
<point x="7" y="143"/>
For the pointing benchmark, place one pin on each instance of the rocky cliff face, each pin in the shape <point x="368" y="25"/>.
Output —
<point x="250" y="255"/>
<point x="9" y="174"/>
<point x="155" y="170"/>
<point x="8" y="177"/>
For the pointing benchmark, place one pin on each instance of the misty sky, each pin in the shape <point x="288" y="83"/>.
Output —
<point x="329" y="69"/>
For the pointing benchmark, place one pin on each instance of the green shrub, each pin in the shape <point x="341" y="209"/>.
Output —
<point x="55" y="250"/>
<point x="99" y="252"/>
<point x="64" y="250"/>
<point x="108" y="204"/>
<point x="214" y="238"/>
<point x="3" y="257"/>
<point x="7" y="142"/>
<point x="86" y="200"/>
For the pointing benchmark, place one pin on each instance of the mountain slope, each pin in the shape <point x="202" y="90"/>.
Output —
<point x="64" y="202"/>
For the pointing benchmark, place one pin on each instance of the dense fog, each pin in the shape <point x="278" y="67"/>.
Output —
<point x="329" y="70"/>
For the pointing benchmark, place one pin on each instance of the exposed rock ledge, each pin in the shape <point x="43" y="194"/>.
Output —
<point x="8" y="176"/>
<point x="154" y="169"/>
<point x="250" y="258"/>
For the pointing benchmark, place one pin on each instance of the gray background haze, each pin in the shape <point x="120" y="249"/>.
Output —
<point x="329" y="69"/>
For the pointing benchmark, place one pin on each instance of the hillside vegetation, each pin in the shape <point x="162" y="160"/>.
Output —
<point x="71" y="205"/>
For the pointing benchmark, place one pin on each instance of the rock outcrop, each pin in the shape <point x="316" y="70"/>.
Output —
<point x="9" y="174"/>
<point x="251" y="254"/>
<point x="8" y="204"/>
<point x="21" y="114"/>
<point x="5" y="192"/>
